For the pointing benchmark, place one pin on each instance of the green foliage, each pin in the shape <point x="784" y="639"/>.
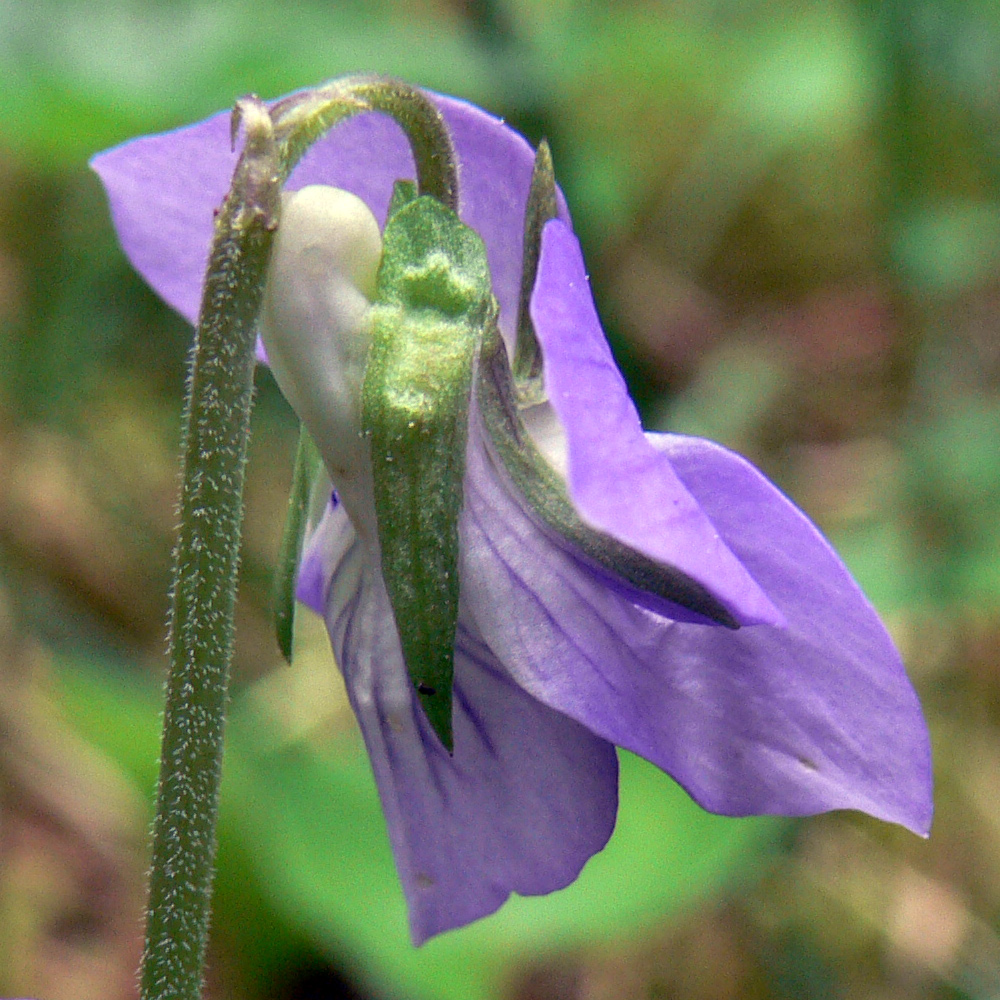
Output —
<point x="947" y="246"/>
<point x="954" y="492"/>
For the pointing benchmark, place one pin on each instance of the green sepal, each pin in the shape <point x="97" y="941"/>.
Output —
<point x="308" y="467"/>
<point x="432" y="301"/>
<point x="541" y="207"/>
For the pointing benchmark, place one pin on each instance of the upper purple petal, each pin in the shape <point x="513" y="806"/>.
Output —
<point x="618" y="481"/>
<point x="163" y="190"/>
<point x="813" y="716"/>
<point x="528" y="795"/>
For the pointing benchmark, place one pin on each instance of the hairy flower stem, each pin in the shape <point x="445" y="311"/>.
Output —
<point x="216" y="435"/>
<point x="300" y="119"/>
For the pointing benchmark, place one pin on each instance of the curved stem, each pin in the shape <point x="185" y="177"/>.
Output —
<point x="301" y="119"/>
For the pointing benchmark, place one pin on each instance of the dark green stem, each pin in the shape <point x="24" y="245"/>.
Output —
<point x="216" y="434"/>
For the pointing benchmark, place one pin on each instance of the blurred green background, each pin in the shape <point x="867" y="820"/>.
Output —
<point x="791" y="213"/>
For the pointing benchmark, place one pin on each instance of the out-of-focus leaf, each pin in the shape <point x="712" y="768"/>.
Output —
<point x="80" y="75"/>
<point x="120" y="714"/>
<point x="879" y="552"/>
<point x="620" y="77"/>
<point x="735" y="387"/>
<point x="722" y="102"/>
<point x="948" y="246"/>
<point x="955" y="489"/>
<point x="302" y="834"/>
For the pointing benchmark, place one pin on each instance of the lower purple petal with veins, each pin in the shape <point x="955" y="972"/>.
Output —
<point x="528" y="795"/>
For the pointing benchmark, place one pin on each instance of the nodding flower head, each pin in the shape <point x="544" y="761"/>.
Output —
<point x="516" y="577"/>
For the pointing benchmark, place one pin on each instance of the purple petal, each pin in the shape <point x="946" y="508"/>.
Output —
<point x="322" y="554"/>
<point x="164" y="188"/>
<point x="619" y="483"/>
<point x="528" y="796"/>
<point x="815" y="716"/>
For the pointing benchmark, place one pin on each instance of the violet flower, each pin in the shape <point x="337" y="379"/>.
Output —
<point x="805" y="707"/>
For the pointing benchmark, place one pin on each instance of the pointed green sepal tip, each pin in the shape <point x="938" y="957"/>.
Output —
<point x="542" y="206"/>
<point x="432" y="300"/>
<point x="403" y="192"/>
<point x="308" y="465"/>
